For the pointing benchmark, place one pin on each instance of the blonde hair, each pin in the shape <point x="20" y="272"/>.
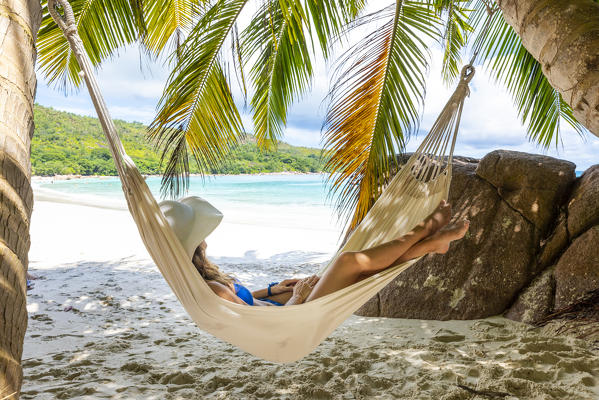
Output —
<point x="208" y="270"/>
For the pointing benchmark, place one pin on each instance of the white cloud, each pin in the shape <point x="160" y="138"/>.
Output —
<point x="132" y="113"/>
<point x="303" y="136"/>
<point x="131" y="87"/>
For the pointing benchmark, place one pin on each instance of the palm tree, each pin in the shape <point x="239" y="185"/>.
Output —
<point x="19" y="22"/>
<point x="374" y="104"/>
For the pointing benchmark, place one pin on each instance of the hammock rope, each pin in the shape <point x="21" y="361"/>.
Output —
<point x="293" y="331"/>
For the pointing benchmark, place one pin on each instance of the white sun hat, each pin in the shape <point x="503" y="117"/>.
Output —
<point x="192" y="219"/>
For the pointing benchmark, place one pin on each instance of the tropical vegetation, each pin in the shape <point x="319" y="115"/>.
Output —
<point x="69" y="144"/>
<point x="375" y="100"/>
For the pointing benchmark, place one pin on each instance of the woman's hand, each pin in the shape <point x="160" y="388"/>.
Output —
<point x="283" y="287"/>
<point x="304" y="287"/>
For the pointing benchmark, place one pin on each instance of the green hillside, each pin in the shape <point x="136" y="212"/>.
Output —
<point x="66" y="143"/>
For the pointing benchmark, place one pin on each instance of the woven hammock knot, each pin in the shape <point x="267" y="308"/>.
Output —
<point x="467" y="73"/>
<point x="70" y="31"/>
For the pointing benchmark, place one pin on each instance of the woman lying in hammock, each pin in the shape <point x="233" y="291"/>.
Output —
<point x="432" y="235"/>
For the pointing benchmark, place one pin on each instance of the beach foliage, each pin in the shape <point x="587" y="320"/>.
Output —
<point x="69" y="144"/>
<point x="197" y="114"/>
<point x="282" y="72"/>
<point x="374" y="105"/>
<point x="167" y="24"/>
<point x="375" y="99"/>
<point x="103" y="26"/>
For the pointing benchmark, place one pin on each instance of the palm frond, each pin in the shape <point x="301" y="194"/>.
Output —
<point x="238" y="62"/>
<point x="330" y="17"/>
<point x="282" y="68"/>
<point x="292" y="10"/>
<point x="375" y="104"/>
<point x="455" y="35"/>
<point x="539" y="106"/>
<point x="168" y="21"/>
<point x="197" y="106"/>
<point x="103" y="25"/>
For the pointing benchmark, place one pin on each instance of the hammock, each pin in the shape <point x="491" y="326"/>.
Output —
<point x="293" y="331"/>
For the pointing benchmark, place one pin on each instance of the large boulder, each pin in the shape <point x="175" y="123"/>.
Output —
<point x="577" y="271"/>
<point x="577" y="268"/>
<point x="481" y="274"/>
<point x="533" y="184"/>
<point x="531" y="248"/>
<point x="583" y="205"/>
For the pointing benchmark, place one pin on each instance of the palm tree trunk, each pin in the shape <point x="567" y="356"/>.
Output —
<point x="19" y="22"/>
<point x="563" y="35"/>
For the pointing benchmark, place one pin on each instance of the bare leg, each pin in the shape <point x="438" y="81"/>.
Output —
<point x="347" y="268"/>
<point x="352" y="267"/>
<point x="437" y="243"/>
<point x="380" y="257"/>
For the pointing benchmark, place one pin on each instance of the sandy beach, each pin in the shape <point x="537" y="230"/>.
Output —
<point x="104" y="324"/>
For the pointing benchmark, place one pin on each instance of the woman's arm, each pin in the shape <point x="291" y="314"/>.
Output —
<point x="260" y="293"/>
<point x="224" y="292"/>
<point x="283" y="287"/>
<point x="301" y="290"/>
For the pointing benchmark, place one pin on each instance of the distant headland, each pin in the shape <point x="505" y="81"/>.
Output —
<point x="70" y="145"/>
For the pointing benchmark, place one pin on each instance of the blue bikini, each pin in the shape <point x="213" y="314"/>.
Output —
<point x="244" y="294"/>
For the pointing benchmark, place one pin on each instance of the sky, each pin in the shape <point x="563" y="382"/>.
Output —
<point x="132" y="86"/>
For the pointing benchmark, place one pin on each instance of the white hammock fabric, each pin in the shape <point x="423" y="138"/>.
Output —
<point x="282" y="334"/>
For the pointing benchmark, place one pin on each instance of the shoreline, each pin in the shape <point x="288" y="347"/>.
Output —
<point x="42" y="178"/>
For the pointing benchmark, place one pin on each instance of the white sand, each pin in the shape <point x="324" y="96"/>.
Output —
<point x="125" y="335"/>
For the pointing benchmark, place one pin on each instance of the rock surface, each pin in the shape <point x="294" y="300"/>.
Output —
<point x="533" y="184"/>
<point x="554" y="245"/>
<point x="583" y="205"/>
<point x="573" y="246"/>
<point x="577" y="271"/>
<point x="536" y="301"/>
<point x="521" y="255"/>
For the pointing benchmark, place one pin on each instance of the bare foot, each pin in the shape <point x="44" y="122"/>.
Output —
<point x="437" y="219"/>
<point x="439" y="242"/>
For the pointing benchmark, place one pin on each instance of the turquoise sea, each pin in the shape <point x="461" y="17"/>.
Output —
<point x="300" y="191"/>
<point x="281" y="200"/>
<point x="274" y="189"/>
<point x="308" y="190"/>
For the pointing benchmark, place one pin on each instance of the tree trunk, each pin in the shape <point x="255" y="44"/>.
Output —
<point x="563" y="36"/>
<point x="19" y="22"/>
